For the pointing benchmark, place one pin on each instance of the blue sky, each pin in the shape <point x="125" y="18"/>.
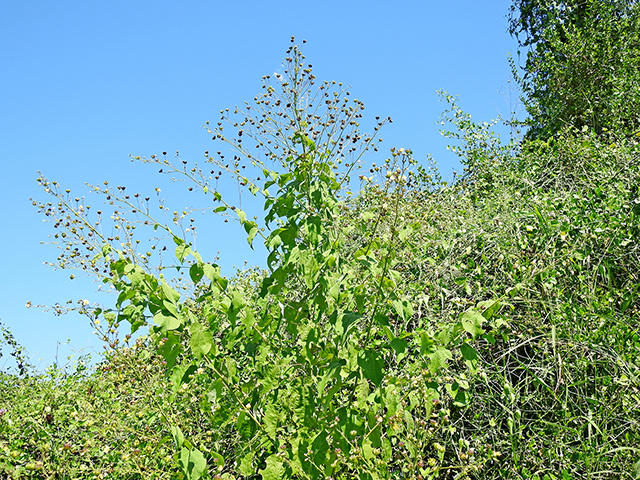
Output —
<point x="86" y="84"/>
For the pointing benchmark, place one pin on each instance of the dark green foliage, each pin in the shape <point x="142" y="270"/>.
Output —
<point x="583" y="65"/>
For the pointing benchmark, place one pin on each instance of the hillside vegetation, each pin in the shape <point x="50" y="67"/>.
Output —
<point x="405" y="327"/>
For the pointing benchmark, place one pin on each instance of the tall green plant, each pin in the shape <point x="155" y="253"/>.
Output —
<point x="319" y="366"/>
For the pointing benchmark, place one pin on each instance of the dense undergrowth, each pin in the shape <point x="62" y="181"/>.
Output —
<point x="482" y="328"/>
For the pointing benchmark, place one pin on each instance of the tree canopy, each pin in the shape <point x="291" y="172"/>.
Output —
<point x="582" y="66"/>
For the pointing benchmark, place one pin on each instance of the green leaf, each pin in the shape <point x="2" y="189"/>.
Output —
<point x="367" y="451"/>
<point x="241" y="215"/>
<point x="515" y="290"/>
<point x="472" y="321"/>
<point x="106" y="250"/>
<point x="201" y="340"/>
<point x="134" y="315"/>
<point x="135" y="274"/>
<point x="272" y="417"/>
<point x="252" y="235"/>
<point x="360" y="302"/>
<point x="439" y="359"/>
<point x="180" y="375"/>
<point x="169" y="293"/>
<point x="381" y="320"/>
<point x="167" y="321"/>
<point x="300" y="137"/>
<point x="403" y="308"/>
<point x="399" y="346"/>
<point x="273" y="242"/>
<point x="347" y="321"/>
<point x="372" y="365"/>
<point x="218" y="460"/>
<point x="196" y="272"/>
<point x="246" y="465"/>
<point x="489" y="308"/>
<point x="172" y="308"/>
<point x="170" y="349"/>
<point x="274" y="469"/>
<point x="458" y="395"/>
<point x="219" y="209"/>
<point x="177" y="435"/>
<point x="470" y="356"/>
<point x="192" y="463"/>
<point x="334" y="291"/>
<point x="313" y="229"/>
<point x="405" y="232"/>
<point x="211" y="271"/>
<point x="237" y="300"/>
<point x="232" y="368"/>
<point x="182" y="251"/>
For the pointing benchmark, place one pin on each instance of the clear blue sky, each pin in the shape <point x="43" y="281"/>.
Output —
<point x="84" y="84"/>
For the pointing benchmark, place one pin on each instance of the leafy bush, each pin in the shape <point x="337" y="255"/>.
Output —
<point x="108" y="423"/>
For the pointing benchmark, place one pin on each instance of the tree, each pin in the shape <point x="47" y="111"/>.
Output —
<point x="583" y="64"/>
